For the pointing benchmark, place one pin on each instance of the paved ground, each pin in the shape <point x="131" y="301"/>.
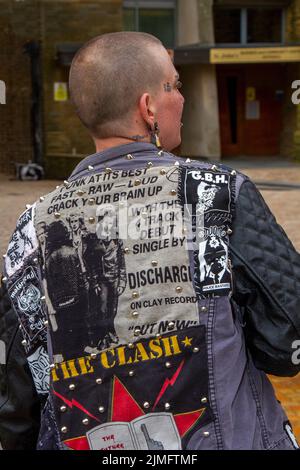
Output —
<point x="284" y="204"/>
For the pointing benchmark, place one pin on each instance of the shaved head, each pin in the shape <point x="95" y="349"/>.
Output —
<point x="108" y="76"/>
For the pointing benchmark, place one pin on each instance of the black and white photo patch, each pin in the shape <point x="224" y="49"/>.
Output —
<point x="206" y="190"/>
<point x="213" y="273"/>
<point x="22" y="243"/>
<point x="206" y="197"/>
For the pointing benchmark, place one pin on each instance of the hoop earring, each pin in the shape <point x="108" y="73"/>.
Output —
<point x="154" y="136"/>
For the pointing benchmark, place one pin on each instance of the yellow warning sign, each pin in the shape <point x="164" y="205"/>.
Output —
<point x="254" y="55"/>
<point x="60" y="91"/>
<point x="250" y="93"/>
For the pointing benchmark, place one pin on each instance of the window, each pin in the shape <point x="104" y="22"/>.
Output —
<point x="264" y="25"/>
<point x="154" y="17"/>
<point x="228" y="26"/>
<point x="254" y="25"/>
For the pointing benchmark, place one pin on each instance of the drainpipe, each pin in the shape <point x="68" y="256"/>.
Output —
<point x="32" y="48"/>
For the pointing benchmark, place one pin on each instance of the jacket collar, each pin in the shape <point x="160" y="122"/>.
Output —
<point x="114" y="152"/>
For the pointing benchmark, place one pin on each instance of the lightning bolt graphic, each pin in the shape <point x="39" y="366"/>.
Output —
<point x="76" y="404"/>
<point x="166" y="384"/>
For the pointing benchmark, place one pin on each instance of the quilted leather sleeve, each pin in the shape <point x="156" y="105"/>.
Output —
<point x="19" y="404"/>
<point x="266" y="274"/>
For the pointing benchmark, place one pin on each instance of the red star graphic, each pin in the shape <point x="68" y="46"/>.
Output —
<point x="125" y="408"/>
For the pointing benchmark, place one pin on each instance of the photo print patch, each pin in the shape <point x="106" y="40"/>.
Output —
<point x="206" y="197"/>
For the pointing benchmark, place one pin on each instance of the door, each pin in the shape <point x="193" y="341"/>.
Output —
<point x="250" y="109"/>
<point x="230" y="89"/>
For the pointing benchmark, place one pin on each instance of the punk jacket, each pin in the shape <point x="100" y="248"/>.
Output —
<point x="143" y="302"/>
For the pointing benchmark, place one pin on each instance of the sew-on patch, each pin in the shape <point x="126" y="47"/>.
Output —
<point x="207" y="191"/>
<point x="207" y="200"/>
<point x="22" y="243"/>
<point x="107" y="279"/>
<point x="25" y="294"/>
<point x="112" y="400"/>
<point x="154" y="431"/>
<point x="40" y="369"/>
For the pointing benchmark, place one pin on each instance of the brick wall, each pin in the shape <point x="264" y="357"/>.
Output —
<point x="51" y="22"/>
<point x="18" y="24"/>
<point x="69" y="22"/>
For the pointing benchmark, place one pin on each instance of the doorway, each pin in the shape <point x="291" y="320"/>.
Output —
<point x="250" y="109"/>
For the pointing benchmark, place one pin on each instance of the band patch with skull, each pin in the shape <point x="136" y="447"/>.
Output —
<point x="26" y="296"/>
<point x="206" y="198"/>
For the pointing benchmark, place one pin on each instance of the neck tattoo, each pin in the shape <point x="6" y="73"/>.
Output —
<point x="138" y="137"/>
